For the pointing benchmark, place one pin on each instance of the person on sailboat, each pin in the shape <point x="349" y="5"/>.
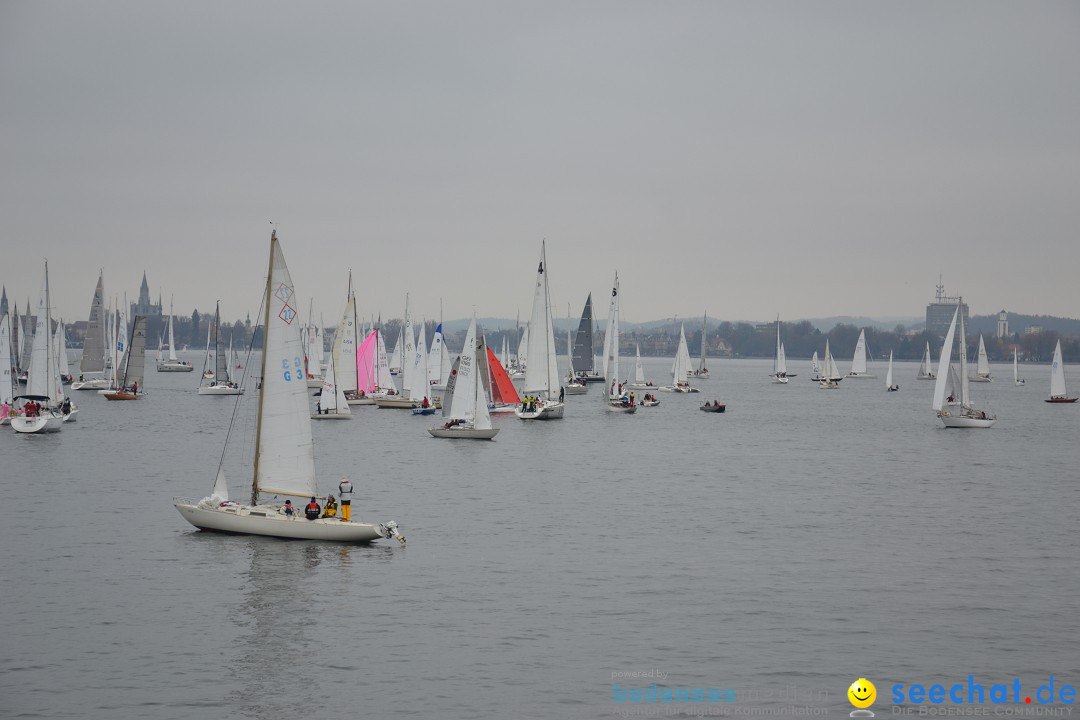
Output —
<point x="135" y="388"/>
<point x="345" y="493"/>
<point x="330" y="509"/>
<point x="311" y="512"/>
<point x="288" y="509"/>
<point x="562" y="393"/>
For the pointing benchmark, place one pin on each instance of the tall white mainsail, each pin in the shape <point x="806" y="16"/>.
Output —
<point x="40" y="379"/>
<point x="344" y="353"/>
<point x="418" y="373"/>
<point x="284" y="454"/>
<point x="1057" y="374"/>
<point x="93" y="357"/>
<point x="611" y="345"/>
<point x="541" y="365"/>
<point x="681" y="369"/>
<point x="982" y="366"/>
<point x="858" y="361"/>
<point x="468" y="402"/>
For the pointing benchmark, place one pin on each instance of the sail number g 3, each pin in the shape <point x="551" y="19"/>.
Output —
<point x="296" y="373"/>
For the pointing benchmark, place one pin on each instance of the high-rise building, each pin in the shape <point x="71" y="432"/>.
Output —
<point x="939" y="313"/>
<point x="144" y="306"/>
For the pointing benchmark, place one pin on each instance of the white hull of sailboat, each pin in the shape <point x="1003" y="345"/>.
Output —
<point x="41" y="424"/>
<point x="93" y="384"/>
<point x="366" y="400"/>
<point x="966" y="421"/>
<point x="702" y="375"/>
<point x="73" y="415"/>
<point x="266" y="520"/>
<point x="463" y="432"/>
<point x="503" y="408"/>
<point x="928" y="376"/>
<point x="402" y="403"/>
<point x="779" y="379"/>
<point x="220" y="390"/>
<point x="575" y="389"/>
<point x="827" y="384"/>
<point x="617" y="407"/>
<point x="542" y="411"/>
<point x="860" y="375"/>
<point x="980" y="378"/>
<point x="170" y="366"/>
<point x="331" y="416"/>
<point x="678" y="388"/>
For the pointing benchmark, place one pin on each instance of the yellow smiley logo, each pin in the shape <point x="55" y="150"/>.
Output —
<point x="862" y="693"/>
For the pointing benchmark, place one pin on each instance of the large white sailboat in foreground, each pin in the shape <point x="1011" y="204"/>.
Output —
<point x="1058" y="393"/>
<point x="466" y="405"/>
<point x="968" y="416"/>
<point x="541" y="365"/>
<point x="284" y="462"/>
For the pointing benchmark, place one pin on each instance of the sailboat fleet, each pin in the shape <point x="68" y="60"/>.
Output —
<point x="474" y="384"/>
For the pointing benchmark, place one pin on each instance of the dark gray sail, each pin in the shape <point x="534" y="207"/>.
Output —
<point x="584" y="360"/>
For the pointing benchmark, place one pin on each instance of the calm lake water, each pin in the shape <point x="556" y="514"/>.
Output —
<point x="801" y="540"/>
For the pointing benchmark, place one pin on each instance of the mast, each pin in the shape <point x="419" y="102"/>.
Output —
<point x="262" y="371"/>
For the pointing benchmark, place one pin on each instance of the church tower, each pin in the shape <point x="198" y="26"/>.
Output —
<point x="144" y="306"/>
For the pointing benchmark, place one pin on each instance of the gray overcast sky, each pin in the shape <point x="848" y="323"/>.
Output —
<point x="744" y="158"/>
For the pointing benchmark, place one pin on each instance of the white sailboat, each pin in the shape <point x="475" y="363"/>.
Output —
<point x="284" y="462"/>
<point x="217" y="363"/>
<point x="332" y="404"/>
<point x="702" y="371"/>
<point x="573" y="385"/>
<point x="829" y="378"/>
<point x="982" y="364"/>
<point x="407" y="344"/>
<point x="438" y="359"/>
<point x="1017" y="380"/>
<point x="779" y="374"/>
<point x="968" y="415"/>
<point x="815" y="368"/>
<point x="1058" y="392"/>
<point x="858" y="361"/>
<point x="617" y="399"/>
<point x="467" y="414"/>
<point x="680" y="369"/>
<point x="639" y="382"/>
<point x="925" y="369"/>
<point x="343" y="355"/>
<point x="173" y="364"/>
<point x="130" y="380"/>
<point x="541" y="365"/>
<point x="889" y="384"/>
<point x="43" y="386"/>
<point x="521" y="360"/>
<point x="92" y="374"/>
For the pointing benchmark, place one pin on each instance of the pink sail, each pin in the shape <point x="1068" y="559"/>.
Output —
<point x="365" y="363"/>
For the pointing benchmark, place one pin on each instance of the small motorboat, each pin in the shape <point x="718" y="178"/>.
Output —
<point x="717" y="407"/>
